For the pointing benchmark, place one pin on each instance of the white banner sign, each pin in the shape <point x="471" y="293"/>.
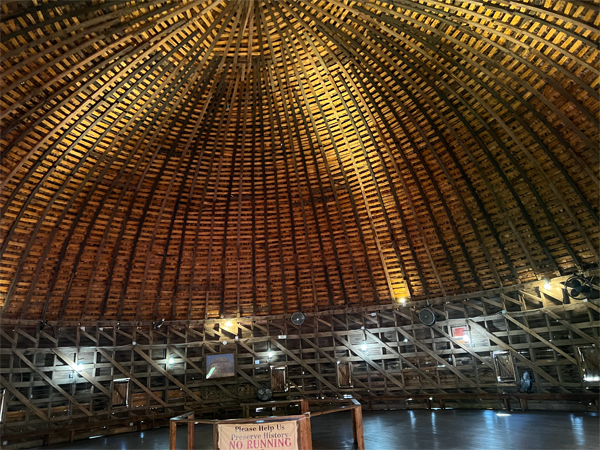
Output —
<point x="259" y="436"/>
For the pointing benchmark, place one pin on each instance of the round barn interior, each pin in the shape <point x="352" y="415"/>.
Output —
<point x="418" y="178"/>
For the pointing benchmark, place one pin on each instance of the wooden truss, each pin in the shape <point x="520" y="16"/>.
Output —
<point x="59" y="381"/>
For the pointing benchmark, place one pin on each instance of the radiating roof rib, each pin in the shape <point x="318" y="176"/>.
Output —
<point x="198" y="159"/>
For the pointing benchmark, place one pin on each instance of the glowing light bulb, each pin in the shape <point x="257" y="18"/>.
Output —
<point x="363" y="347"/>
<point x="79" y="367"/>
<point x="171" y="360"/>
<point x="402" y="300"/>
<point x="228" y="323"/>
<point x="547" y="285"/>
<point x="270" y="354"/>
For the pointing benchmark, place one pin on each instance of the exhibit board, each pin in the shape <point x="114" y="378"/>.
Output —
<point x="259" y="435"/>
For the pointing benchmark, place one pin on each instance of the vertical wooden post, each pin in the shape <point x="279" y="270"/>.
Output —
<point x="523" y="403"/>
<point x="507" y="403"/>
<point x="246" y="410"/>
<point x="304" y="406"/>
<point x="428" y="404"/>
<point x="172" y="434"/>
<point x="442" y="404"/>
<point x="216" y="436"/>
<point x="305" y="433"/>
<point x="357" y="427"/>
<point x="190" y="436"/>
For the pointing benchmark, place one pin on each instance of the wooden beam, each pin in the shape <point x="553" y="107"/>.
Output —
<point x="125" y="372"/>
<point x="508" y="348"/>
<point x="434" y="355"/>
<point x="81" y="372"/>
<point x="23" y="399"/>
<point x="540" y="338"/>
<point x="575" y="330"/>
<point x="404" y="360"/>
<point x="167" y="374"/>
<point x="461" y="345"/>
<point x="369" y="361"/>
<point x="305" y="366"/>
<point x="332" y="360"/>
<point x="52" y="383"/>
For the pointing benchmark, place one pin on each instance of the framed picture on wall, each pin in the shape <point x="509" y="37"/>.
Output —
<point x="461" y="334"/>
<point x="279" y="382"/>
<point x="505" y="367"/>
<point x="344" y="377"/>
<point x="220" y="365"/>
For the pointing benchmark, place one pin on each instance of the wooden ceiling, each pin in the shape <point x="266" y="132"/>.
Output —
<point x="194" y="159"/>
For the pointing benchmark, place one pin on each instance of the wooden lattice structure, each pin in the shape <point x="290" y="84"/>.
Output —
<point x="168" y="166"/>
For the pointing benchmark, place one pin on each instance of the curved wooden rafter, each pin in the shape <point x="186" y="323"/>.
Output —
<point x="198" y="159"/>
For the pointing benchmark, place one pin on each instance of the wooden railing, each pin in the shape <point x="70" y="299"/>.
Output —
<point x="351" y="405"/>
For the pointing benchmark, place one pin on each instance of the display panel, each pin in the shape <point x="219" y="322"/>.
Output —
<point x="221" y="365"/>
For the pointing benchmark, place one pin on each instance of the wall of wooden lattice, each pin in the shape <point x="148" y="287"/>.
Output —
<point x="66" y="381"/>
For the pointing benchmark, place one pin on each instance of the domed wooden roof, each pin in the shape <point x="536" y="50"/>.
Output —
<point x="194" y="159"/>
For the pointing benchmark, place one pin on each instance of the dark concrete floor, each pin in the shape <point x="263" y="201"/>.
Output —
<point x="396" y="430"/>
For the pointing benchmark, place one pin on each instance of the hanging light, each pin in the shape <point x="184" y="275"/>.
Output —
<point x="228" y="323"/>
<point x="364" y="346"/>
<point x="270" y="354"/>
<point x="171" y="360"/>
<point x="547" y="284"/>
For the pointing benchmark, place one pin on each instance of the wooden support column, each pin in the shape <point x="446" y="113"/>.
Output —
<point x="357" y="425"/>
<point x="190" y="433"/>
<point x="305" y="433"/>
<point x="173" y="435"/>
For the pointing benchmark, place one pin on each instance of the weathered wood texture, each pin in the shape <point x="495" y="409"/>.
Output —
<point x="194" y="159"/>
<point x="405" y="364"/>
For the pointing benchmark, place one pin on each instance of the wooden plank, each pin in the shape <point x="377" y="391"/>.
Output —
<point x="173" y="435"/>
<point x="134" y="379"/>
<point x="357" y="427"/>
<point x="405" y="361"/>
<point x="305" y="366"/>
<point x="23" y="399"/>
<point x="167" y="374"/>
<point x="52" y="383"/>
<point x="508" y="348"/>
<point x="81" y="372"/>
<point x="331" y="360"/>
<point x="540" y="338"/>
<point x="436" y="357"/>
<point x="369" y="361"/>
<point x="575" y="330"/>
